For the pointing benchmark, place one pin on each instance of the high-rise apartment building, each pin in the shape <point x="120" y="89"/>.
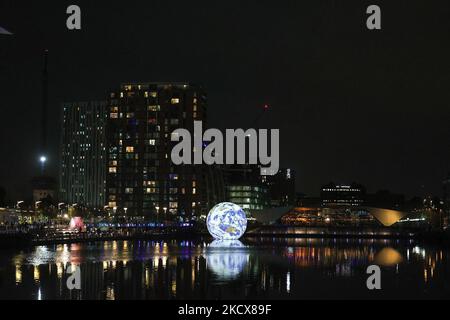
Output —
<point x="141" y="178"/>
<point x="83" y="154"/>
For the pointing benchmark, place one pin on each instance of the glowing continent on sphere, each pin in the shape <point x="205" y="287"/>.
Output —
<point x="227" y="221"/>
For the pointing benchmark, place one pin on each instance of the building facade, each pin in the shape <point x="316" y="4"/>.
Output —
<point x="282" y="188"/>
<point x="83" y="154"/>
<point x="245" y="187"/>
<point x="141" y="178"/>
<point x="339" y="195"/>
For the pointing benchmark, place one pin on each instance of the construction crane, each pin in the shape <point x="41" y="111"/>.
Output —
<point x="258" y="118"/>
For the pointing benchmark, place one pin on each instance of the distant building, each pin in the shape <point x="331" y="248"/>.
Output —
<point x="244" y="187"/>
<point x="44" y="188"/>
<point x="83" y="154"/>
<point x="303" y="200"/>
<point x="281" y="188"/>
<point x="141" y="178"/>
<point x="342" y="195"/>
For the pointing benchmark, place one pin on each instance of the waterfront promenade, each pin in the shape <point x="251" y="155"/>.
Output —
<point x="47" y="237"/>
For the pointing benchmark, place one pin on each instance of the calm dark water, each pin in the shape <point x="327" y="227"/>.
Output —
<point x="255" y="269"/>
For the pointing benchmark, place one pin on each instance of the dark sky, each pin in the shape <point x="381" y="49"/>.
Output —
<point x="351" y="104"/>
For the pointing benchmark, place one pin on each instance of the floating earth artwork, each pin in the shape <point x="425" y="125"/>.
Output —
<point x="227" y="221"/>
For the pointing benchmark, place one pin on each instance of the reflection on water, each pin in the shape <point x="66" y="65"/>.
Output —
<point x="227" y="259"/>
<point x="257" y="268"/>
<point x="388" y="257"/>
<point x="226" y="244"/>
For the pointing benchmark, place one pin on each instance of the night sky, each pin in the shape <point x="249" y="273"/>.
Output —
<point x="351" y="104"/>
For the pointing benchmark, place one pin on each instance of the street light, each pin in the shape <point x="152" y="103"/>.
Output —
<point x="43" y="161"/>
<point x="165" y="213"/>
<point x="157" y="215"/>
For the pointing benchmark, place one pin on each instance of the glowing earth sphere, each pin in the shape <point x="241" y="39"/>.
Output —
<point x="227" y="221"/>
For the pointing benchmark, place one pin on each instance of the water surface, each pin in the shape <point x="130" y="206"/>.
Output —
<point x="254" y="269"/>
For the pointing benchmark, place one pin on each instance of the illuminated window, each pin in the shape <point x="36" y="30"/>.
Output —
<point x="130" y="149"/>
<point x="173" y="205"/>
<point x="152" y="142"/>
<point x="153" y="94"/>
<point x="114" y="109"/>
<point x="193" y="204"/>
<point x="173" y="177"/>
<point x="129" y="190"/>
<point x="112" y="170"/>
<point x="112" y="204"/>
<point x="194" y="191"/>
<point x="151" y="191"/>
<point x="130" y="115"/>
<point x="175" y="101"/>
<point x="114" y="116"/>
<point x="154" y="108"/>
<point x="150" y="183"/>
